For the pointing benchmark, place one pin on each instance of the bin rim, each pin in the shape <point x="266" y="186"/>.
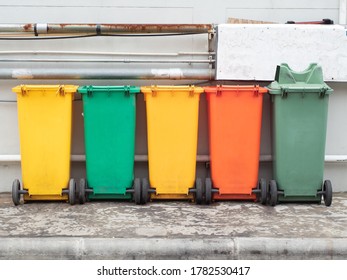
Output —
<point x="276" y="88"/>
<point x="66" y="88"/>
<point x="231" y="88"/>
<point x="120" y="89"/>
<point x="187" y="88"/>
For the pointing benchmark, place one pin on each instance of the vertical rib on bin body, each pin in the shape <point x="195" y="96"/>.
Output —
<point x="234" y="114"/>
<point x="299" y="121"/>
<point x="172" y="132"/>
<point x="109" y="124"/>
<point x="45" y="121"/>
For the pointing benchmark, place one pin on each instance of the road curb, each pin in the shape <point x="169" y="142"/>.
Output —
<point x="164" y="248"/>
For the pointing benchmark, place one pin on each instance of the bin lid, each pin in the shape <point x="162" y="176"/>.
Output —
<point x="26" y="88"/>
<point x="289" y="81"/>
<point x="119" y="89"/>
<point x="235" y="88"/>
<point x="150" y="89"/>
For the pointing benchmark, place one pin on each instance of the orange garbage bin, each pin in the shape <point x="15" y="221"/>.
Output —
<point x="234" y="116"/>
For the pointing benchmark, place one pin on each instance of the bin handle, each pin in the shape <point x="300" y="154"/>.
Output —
<point x="23" y="90"/>
<point x="154" y="89"/>
<point x="61" y="90"/>
<point x="219" y="89"/>
<point x="321" y="90"/>
<point x="191" y="90"/>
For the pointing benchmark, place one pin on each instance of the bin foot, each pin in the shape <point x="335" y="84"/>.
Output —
<point x="273" y="193"/>
<point x="327" y="192"/>
<point x="16" y="192"/>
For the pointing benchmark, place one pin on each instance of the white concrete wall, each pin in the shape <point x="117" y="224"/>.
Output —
<point x="155" y="11"/>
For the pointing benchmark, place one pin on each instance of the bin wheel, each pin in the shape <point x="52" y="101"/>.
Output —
<point x="263" y="191"/>
<point x="15" y="192"/>
<point x="208" y="191"/>
<point x="198" y="191"/>
<point x="137" y="191"/>
<point x="72" y="191"/>
<point x="273" y="193"/>
<point x="145" y="191"/>
<point x="327" y="193"/>
<point x="82" y="197"/>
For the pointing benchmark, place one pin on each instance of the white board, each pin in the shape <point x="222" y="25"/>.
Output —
<point x="252" y="51"/>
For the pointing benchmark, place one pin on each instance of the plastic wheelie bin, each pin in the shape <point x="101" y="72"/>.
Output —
<point x="109" y="125"/>
<point x="172" y="132"/>
<point x="234" y="117"/>
<point x="299" y="120"/>
<point x="45" y="120"/>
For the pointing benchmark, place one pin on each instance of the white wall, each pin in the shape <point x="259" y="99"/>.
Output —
<point x="150" y="11"/>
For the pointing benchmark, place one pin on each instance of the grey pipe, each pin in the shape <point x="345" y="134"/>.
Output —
<point x="125" y="60"/>
<point x="128" y="74"/>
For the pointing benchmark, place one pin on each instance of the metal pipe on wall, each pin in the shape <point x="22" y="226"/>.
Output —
<point x="42" y="52"/>
<point x="48" y="28"/>
<point x="125" y="60"/>
<point x="95" y="73"/>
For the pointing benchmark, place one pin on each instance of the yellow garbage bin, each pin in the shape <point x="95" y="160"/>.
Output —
<point x="45" y="121"/>
<point x="172" y="132"/>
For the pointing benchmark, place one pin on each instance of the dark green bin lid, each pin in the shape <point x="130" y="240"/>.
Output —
<point x="115" y="89"/>
<point x="308" y="81"/>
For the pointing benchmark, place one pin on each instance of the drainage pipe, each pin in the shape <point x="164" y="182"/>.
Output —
<point x="114" y="73"/>
<point x="104" y="53"/>
<point x="124" y="60"/>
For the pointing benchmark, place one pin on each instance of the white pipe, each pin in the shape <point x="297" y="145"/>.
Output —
<point x="114" y="73"/>
<point x="125" y="60"/>
<point x="343" y="12"/>
<point x="102" y="53"/>
<point x="199" y="158"/>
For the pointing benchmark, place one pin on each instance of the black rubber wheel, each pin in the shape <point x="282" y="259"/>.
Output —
<point x="82" y="196"/>
<point x="15" y="192"/>
<point x="273" y="193"/>
<point x="144" y="191"/>
<point x="198" y="191"/>
<point x="263" y="191"/>
<point x="72" y="191"/>
<point x="327" y="193"/>
<point x="208" y="191"/>
<point x="137" y="191"/>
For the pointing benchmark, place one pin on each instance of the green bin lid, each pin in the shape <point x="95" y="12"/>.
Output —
<point x="308" y="81"/>
<point x="120" y="89"/>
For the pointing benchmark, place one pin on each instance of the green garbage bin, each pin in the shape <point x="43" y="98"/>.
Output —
<point x="299" y="120"/>
<point x="109" y="125"/>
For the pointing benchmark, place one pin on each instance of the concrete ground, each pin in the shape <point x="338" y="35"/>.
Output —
<point x="173" y="230"/>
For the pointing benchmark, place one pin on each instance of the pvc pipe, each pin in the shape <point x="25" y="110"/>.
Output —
<point x="106" y="61"/>
<point x="199" y="158"/>
<point x="105" y="53"/>
<point x="114" y="73"/>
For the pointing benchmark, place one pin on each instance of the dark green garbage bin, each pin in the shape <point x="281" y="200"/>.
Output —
<point x="109" y="125"/>
<point x="299" y="120"/>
